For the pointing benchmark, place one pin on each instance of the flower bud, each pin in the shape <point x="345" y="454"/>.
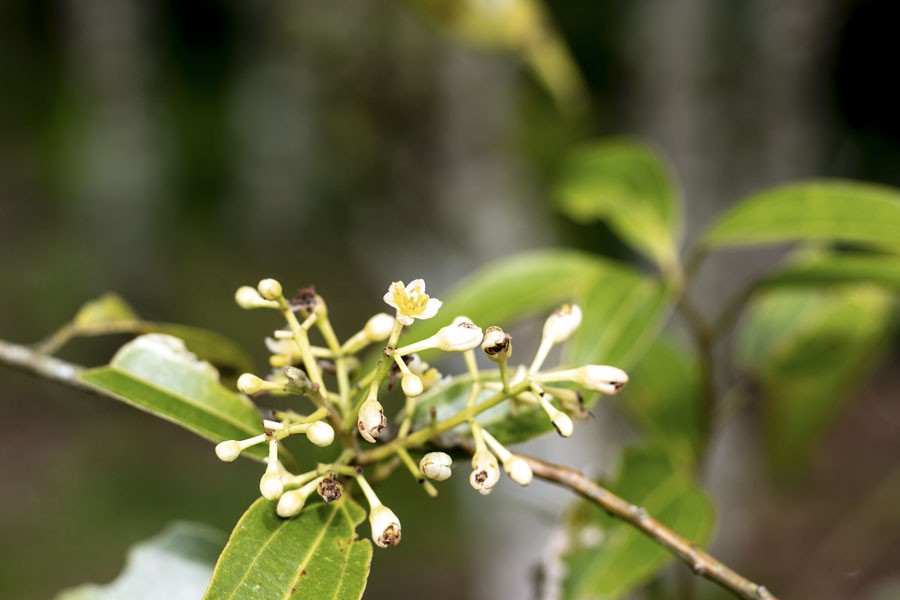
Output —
<point x="371" y="420"/>
<point x="228" y="451"/>
<point x="247" y="297"/>
<point x="518" y="470"/>
<point x="562" y="323"/>
<point x="563" y="424"/>
<point x="270" y="289"/>
<point x="320" y="433"/>
<point x="379" y="327"/>
<point x="436" y="465"/>
<point x="251" y="384"/>
<point x="412" y="385"/>
<point x="330" y="489"/>
<point x="459" y="336"/>
<point x="385" y="526"/>
<point x="271" y="486"/>
<point x="485" y="472"/>
<point x="497" y="344"/>
<point x="291" y="503"/>
<point x="601" y="378"/>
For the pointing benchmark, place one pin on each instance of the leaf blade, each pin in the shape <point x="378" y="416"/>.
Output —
<point x="830" y="210"/>
<point x="270" y="557"/>
<point x="156" y="373"/>
<point x="627" y="184"/>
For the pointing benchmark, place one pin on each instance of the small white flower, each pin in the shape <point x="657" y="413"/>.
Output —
<point x="562" y="323"/>
<point x="411" y="301"/>
<point x="485" y="472"/>
<point x="320" y="433"/>
<point x="270" y="289"/>
<point x="379" y="327"/>
<point x="412" y="385"/>
<point x="371" y="420"/>
<point x="385" y="526"/>
<point x="436" y="465"/>
<point x="518" y="470"/>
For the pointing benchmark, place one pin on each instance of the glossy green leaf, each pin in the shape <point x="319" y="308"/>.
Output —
<point x="663" y="397"/>
<point x="156" y="373"/>
<point x="316" y="554"/>
<point x="607" y="558"/>
<point x="843" y="211"/>
<point x="824" y="268"/>
<point x="110" y="314"/>
<point x="623" y="311"/>
<point x="627" y="184"/>
<point x="176" y="565"/>
<point x="808" y="349"/>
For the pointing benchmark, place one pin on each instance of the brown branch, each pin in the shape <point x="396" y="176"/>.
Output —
<point x="700" y="562"/>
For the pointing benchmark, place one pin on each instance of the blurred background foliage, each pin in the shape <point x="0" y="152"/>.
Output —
<point x="173" y="151"/>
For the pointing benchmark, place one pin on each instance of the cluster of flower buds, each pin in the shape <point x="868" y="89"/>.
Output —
<point x="300" y="368"/>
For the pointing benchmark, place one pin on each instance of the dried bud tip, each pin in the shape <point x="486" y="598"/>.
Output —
<point x="385" y="526"/>
<point x="497" y="343"/>
<point x="330" y="489"/>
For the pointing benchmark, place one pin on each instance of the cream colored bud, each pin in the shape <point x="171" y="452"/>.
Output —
<point x="459" y="336"/>
<point x="601" y="378"/>
<point x="270" y="289"/>
<point x="485" y="472"/>
<point x="291" y="503"/>
<point x="412" y="385"/>
<point x="271" y="486"/>
<point x="371" y="420"/>
<point x="320" y="433"/>
<point x="229" y="450"/>
<point x="497" y="344"/>
<point x="385" y="526"/>
<point x="250" y="384"/>
<point x="562" y="323"/>
<point x="563" y="424"/>
<point x="379" y="327"/>
<point x="518" y="470"/>
<point x="436" y="465"/>
<point x="247" y="297"/>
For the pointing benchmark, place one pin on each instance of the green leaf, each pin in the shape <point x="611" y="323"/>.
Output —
<point x="627" y="184"/>
<point x="663" y="397"/>
<point x="607" y="558"/>
<point x="108" y="309"/>
<point x="623" y="311"/>
<point x="843" y="211"/>
<point x="175" y="564"/>
<point x="110" y="314"/>
<point x="156" y="373"/>
<point x="808" y="349"/>
<point x="314" y="555"/>
<point x="824" y="268"/>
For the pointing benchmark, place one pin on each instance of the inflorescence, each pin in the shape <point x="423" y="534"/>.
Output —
<point x="349" y="408"/>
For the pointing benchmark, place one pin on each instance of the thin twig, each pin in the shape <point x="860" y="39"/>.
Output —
<point x="699" y="561"/>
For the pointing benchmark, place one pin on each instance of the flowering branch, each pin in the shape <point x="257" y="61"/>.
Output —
<point x="701" y="562"/>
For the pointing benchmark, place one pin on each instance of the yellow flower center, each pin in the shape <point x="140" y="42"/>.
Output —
<point x="412" y="303"/>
